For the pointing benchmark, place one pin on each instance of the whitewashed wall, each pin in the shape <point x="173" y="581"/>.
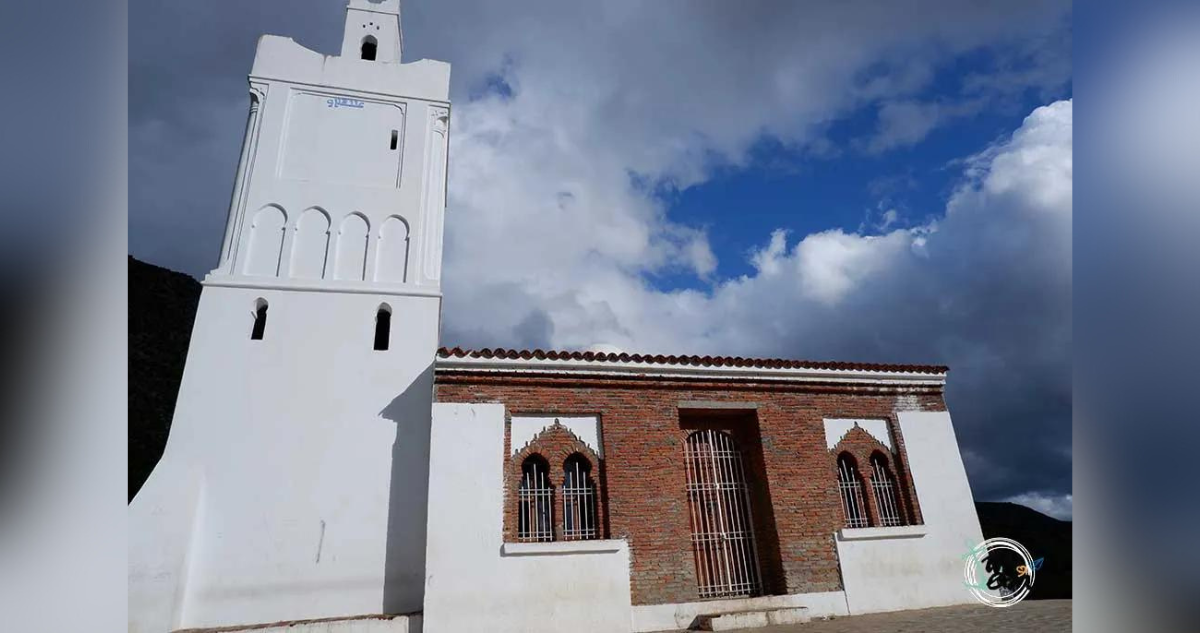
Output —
<point x="294" y="481"/>
<point x="526" y="428"/>
<point x="295" y="478"/>
<point x="921" y="569"/>
<point x="474" y="581"/>
<point x="342" y="178"/>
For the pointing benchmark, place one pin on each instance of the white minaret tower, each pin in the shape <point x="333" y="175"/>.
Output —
<point x="294" y="484"/>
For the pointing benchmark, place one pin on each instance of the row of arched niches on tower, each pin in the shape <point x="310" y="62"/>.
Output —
<point x="312" y="246"/>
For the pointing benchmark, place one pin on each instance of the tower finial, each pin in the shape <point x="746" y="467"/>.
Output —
<point x="373" y="31"/>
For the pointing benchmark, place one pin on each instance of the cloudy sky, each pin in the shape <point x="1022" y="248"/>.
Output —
<point x="880" y="181"/>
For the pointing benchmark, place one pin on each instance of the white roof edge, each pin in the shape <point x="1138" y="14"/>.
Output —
<point x="658" y="370"/>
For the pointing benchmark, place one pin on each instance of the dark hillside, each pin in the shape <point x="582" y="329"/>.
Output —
<point x="1044" y="537"/>
<point x="162" y="308"/>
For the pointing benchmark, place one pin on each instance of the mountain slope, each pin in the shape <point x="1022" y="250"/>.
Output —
<point x="1045" y="537"/>
<point x="162" y="309"/>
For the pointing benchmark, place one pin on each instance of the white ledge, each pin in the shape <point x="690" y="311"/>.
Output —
<point x="658" y="370"/>
<point x="562" y="547"/>
<point x="282" y="283"/>
<point x="871" y="533"/>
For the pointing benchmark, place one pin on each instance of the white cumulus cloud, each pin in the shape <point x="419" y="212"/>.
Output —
<point x="574" y="124"/>
<point x="985" y="287"/>
<point x="1057" y="506"/>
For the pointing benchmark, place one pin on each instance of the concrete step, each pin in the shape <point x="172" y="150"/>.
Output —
<point x="753" y="619"/>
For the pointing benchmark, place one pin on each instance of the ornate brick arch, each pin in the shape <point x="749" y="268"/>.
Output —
<point x="555" y="444"/>
<point x="861" y="445"/>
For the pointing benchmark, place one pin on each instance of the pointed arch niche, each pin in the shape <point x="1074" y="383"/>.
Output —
<point x="266" y="241"/>
<point x="352" y="248"/>
<point x="310" y="247"/>
<point x="876" y="449"/>
<point x="561" y="441"/>
<point x="391" y="260"/>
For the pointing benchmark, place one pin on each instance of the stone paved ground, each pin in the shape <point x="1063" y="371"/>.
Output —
<point x="1029" y="616"/>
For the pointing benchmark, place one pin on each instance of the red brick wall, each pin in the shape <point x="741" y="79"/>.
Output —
<point x="791" y="472"/>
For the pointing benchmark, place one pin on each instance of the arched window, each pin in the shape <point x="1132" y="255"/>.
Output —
<point x="266" y="241"/>
<point x="535" y="501"/>
<point x="350" y="260"/>
<point x="310" y="246"/>
<point x="383" y="327"/>
<point x="884" y="487"/>
<point x="579" y="499"/>
<point x="369" y="46"/>
<point x="850" y="486"/>
<point x="391" y="252"/>
<point x="260" y="320"/>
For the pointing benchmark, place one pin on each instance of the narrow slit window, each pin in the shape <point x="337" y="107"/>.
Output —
<point x="395" y="139"/>
<point x="260" y="321"/>
<point x="369" y="47"/>
<point x="383" y="328"/>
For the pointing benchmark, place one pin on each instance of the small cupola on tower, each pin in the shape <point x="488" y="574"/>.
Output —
<point x="373" y="31"/>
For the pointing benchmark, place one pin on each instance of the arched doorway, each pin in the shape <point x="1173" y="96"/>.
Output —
<point x="722" y="523"/>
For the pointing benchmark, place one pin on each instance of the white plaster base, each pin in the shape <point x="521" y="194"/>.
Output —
<point x="475" y="581"/>
<point x="673" y="617"/>
<point x="293" y="485"/>
<point x="364" y="624"/>
<point x="892" y="569"/>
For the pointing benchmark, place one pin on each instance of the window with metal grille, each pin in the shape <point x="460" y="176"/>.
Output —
<point x="579" y="500"/>
<point x="535" y="501"/>
<point x="722" y="525"/>
<point x="850" y="486"/>
<point x="884" y="487"/>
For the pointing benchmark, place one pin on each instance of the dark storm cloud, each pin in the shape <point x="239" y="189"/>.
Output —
<point x="595" y="92"/>
<point x="188" y="100"/>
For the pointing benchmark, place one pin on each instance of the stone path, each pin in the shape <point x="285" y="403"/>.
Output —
<point x="1040" y="616"/>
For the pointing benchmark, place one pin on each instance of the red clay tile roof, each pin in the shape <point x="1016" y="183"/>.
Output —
<point x="696" y="361"/>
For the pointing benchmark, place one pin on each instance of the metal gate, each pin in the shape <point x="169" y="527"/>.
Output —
<point x="722" y="526"/>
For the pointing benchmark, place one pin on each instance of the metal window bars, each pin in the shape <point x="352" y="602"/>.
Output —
<point x="883" y="485"/>
<point x="722" y="526"/>
<point x="535" y="503"/>
<point x="850" y="486"/>
<point x="579" y="500"/>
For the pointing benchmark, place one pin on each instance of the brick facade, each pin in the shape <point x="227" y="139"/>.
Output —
<point x="779" y="427"/>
